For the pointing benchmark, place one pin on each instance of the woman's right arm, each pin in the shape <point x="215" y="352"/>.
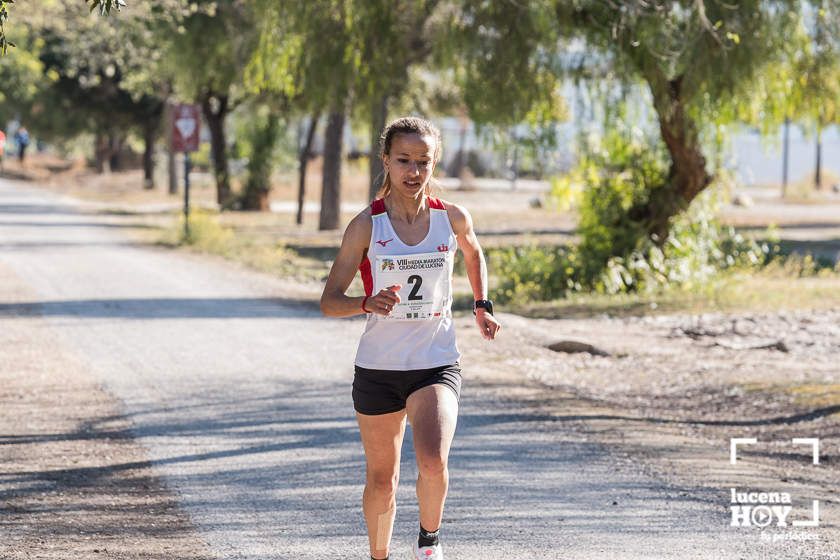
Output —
<point x="334" y="302"/>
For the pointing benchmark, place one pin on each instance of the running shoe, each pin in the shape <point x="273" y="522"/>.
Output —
<point x="428" y="552"/>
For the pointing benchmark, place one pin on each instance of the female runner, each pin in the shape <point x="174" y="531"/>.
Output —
<point x="407" y="364"/>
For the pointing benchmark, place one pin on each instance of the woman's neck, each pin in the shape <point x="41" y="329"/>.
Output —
<point x="405" y="209"/>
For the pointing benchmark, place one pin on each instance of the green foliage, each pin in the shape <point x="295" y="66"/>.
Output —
<point x="533" y="273"/>
<point x="618" y="174"/>
<point x="206" y="45"/>
<point x="4" y="15"/>
<point x="262" y="139"/>
<point x="506" y="60"/>
<point x="200" y="159"/>
<point x="696" y="252"/>
<point x="22" y="76"/>
<point x="205" y="234"/>
<point x="105" y="6"/>
<point x="614" y="254"/>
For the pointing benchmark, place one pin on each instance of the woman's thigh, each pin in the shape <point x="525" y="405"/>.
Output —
<point x="433" y="413"/>
<point x="382" y="436"/>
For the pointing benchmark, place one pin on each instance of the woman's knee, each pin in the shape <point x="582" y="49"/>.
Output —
<point x="432" y="465"/>
<point x="383" y="481"/>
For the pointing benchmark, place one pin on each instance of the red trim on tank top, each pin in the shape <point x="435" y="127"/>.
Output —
<point x="377" y="206"/>
<point x="367" y="276"/>
<point x="436" y="203"/>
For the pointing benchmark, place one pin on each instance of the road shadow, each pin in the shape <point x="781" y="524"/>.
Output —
<point x="284" y="468"/>
<point x="89" y="224"/>
<point x="164" y="308"/>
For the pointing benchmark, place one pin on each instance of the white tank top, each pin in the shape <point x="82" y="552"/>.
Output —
<point x="419" y="333"/>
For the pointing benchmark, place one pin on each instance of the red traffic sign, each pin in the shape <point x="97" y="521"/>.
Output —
<point x="186" y="123"/>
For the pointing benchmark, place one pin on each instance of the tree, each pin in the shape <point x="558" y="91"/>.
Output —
<point x="4" y="15"/>
<point x="265" y="118"/>
<point x="104" y="7"/>
<point x="365" y="65"/>
<point x="816" y="68"/>
<point x="317" y="75"/>
<point x="95" y="78"/>
<point x="276" y="69"/>
<point x="391" y="38"/>
<point x="208" y="48"/>
<point x="700" y="62"/>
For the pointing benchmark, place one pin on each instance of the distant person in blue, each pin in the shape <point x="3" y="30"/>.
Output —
<point x="22" y="140"/>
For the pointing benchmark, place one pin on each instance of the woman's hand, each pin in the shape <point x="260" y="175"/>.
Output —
<point x="383" y="302"/>
<point x="487" y="324"/>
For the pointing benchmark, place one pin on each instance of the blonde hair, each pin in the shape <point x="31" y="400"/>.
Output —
<point x="406" y="125"/>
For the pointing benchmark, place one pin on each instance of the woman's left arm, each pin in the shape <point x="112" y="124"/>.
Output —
<point x="476" y="267"/>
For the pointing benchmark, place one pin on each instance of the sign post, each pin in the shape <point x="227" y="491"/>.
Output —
<point x="186" y="124"/>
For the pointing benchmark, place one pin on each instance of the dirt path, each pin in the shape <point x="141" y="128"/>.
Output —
<point x="74" y="482"/>
<point x="673" y="390"/>
<point x="232" y="402"/>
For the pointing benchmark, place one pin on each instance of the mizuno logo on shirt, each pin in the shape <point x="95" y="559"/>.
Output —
<point x="385" y="242"/>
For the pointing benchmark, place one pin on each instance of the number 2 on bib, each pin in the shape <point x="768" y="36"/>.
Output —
<point x="417" y="281"/>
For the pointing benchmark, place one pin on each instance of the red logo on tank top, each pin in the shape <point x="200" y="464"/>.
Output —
<point x="385" y="242"/>
<point x="443" y="248"/>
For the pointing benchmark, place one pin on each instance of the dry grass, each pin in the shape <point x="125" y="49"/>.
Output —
<point x="804" y="191"/>
<point x="769" y="290"/>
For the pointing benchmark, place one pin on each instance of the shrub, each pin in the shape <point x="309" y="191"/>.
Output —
<point x="615" y="255"/>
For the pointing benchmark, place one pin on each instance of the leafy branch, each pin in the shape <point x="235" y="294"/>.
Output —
<point x="4" y="15"/>
<point x="104" y="6"/>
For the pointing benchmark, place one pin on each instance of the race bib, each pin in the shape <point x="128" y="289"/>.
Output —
<point x="425" y="284"/>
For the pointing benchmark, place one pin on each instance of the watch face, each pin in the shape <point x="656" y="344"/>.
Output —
<point x="485" y="304"/>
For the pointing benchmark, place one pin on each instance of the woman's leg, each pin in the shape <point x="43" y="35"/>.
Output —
<point x="433" y="413"/>
<point x="382" y="436"/>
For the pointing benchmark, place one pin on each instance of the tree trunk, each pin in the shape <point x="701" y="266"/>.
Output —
<point x="303" y="162"/>
<point x="460" y="161"/>
<point x="379" y="115"/>
<point x="100" y="151"/>
<point x="150" y="132"/>
<point x="116" y="142"/>
<point x="172" y="170"/>
<point x="785" y="156"/>
<point x="687" y="176"/>
<point x="215" y="109"/>
<point x="258" y="184"/>
<point x="331" y="188"/>
<point x="171" y="163"/>
<point x="818" y="172"/>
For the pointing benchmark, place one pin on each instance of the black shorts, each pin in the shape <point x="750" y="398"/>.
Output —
<point x="381" y="391"/>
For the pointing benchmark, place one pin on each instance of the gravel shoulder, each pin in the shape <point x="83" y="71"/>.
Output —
<point x="673" y="390"/>
<point x="74" y="481"/>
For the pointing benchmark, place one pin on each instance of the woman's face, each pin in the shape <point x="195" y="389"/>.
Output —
<point x="410" y="163"/>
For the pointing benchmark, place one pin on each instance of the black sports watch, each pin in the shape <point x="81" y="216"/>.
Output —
<point x="484" y="304"/>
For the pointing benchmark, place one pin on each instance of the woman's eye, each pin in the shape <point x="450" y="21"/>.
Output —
<point x="402" y="160"/>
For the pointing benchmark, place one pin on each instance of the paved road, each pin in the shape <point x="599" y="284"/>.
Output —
<point x="242" y="399"/>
